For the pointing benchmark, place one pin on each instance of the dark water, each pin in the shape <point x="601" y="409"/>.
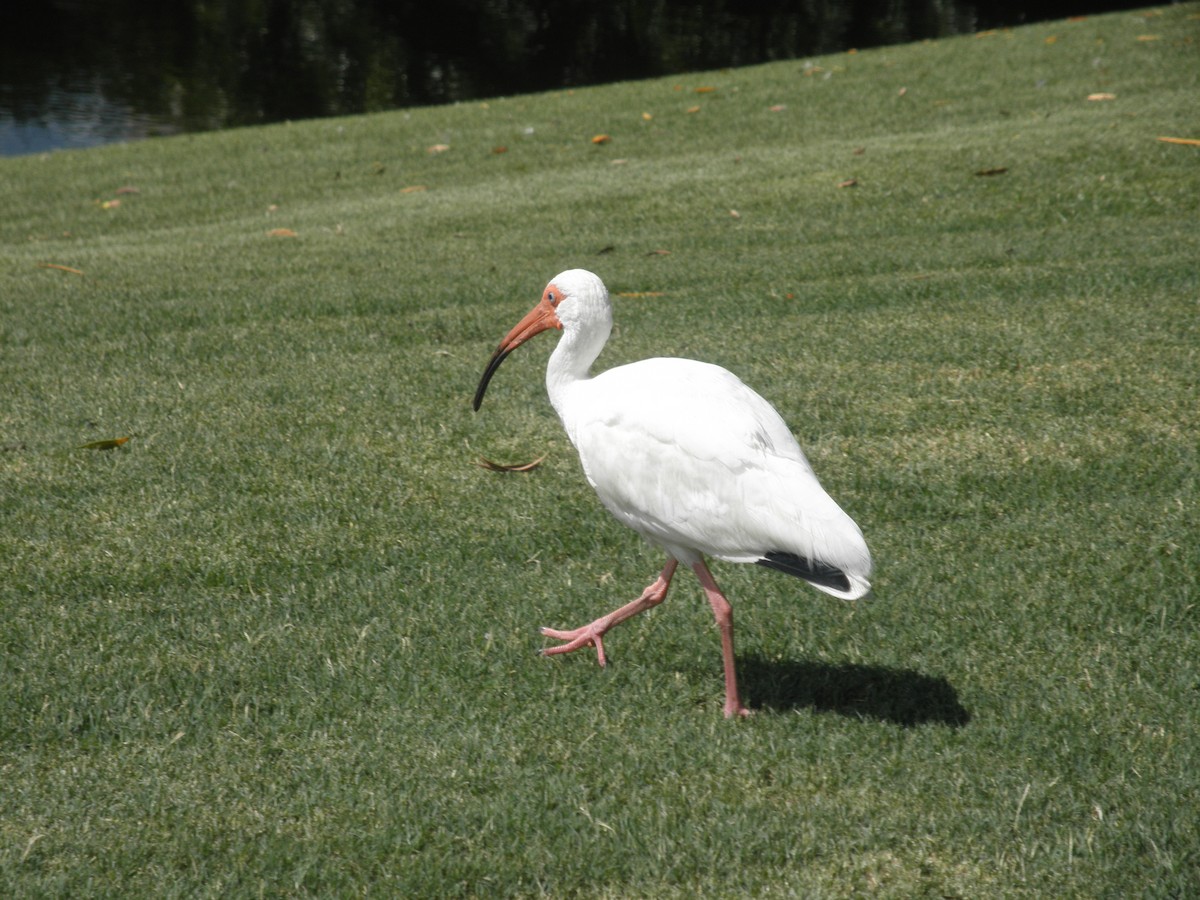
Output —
<point x="76" y="73"/>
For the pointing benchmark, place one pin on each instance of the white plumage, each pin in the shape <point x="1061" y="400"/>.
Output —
<point x="692" y="459"/>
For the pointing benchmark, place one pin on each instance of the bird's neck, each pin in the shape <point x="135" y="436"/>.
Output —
<point x="570" y="364"/>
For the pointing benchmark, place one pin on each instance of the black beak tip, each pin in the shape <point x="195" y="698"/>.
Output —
<point x="493" y="364"/>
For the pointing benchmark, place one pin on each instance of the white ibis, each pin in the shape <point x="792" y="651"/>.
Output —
<point x="690" y="458"/>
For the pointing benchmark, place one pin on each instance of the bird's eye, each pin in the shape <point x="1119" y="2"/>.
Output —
<point x="552" y="297"/>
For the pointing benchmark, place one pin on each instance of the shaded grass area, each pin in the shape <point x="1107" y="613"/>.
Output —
<point x="282" y="641"/>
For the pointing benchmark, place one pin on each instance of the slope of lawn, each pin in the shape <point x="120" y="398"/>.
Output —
<point x="281" y="641"/>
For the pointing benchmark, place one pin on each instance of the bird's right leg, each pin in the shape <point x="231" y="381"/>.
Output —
<point x="591" y="634"/>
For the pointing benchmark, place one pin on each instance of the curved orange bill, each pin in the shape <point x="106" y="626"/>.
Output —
<point x="541" y="318"/>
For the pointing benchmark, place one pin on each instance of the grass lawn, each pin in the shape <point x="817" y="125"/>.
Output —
<point x="282" y="641"/>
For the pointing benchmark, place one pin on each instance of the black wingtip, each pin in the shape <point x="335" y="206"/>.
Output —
<point x="811" y="570"/>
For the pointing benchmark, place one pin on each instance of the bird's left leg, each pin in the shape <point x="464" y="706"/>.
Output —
<point x="591" y="634"/>
<point x="724" y="614"/>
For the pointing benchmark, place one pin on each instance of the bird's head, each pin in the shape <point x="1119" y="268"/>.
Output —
<point x="574" y="300"/>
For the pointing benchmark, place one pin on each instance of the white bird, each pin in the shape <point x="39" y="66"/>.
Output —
<point x="690" y="458"/>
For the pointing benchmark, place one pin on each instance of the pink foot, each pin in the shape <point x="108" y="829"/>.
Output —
<point x="579" y="637"/>
<point x="736" y="710"/>
<point x="591" y="634"/>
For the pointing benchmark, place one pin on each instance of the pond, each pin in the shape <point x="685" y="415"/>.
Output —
<point x="76" y="73"/>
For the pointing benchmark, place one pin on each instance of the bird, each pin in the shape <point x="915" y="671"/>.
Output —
<point x="689" y="457"/>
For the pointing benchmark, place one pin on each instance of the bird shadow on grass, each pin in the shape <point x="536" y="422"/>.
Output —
<point x="899" y="696"/>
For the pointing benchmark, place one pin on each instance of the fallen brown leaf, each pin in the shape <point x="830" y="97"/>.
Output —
<point x="438" y="148"/>
<point x="1187" y="142"/>
<point x="849" y="182"/>
<point x="704" y="90"/>
<point x="485" y="463"/>
<point x="1102" y="95"/>
<point x="60" y="268"/>
<point x="281" y="232"/>
<point x="413" y="189"/>
<point x="998" y="170"/>
<point x="111" y="444"/>
<point x="126" y="190"/>
<point x="601" y="139"/>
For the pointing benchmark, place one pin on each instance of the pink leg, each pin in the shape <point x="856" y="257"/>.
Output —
<point x="591" y="634"/>
<point x="724" y="613"/>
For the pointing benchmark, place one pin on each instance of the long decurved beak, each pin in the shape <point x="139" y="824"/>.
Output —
<point x="541" y="318"/>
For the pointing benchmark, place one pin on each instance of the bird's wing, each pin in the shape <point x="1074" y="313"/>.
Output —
<point x="686" y="454"/>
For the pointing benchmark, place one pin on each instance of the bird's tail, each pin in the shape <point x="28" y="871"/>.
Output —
<point x="829" y="578"/>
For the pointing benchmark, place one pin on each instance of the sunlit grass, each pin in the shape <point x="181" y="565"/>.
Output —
<point x="283" y="640"/>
